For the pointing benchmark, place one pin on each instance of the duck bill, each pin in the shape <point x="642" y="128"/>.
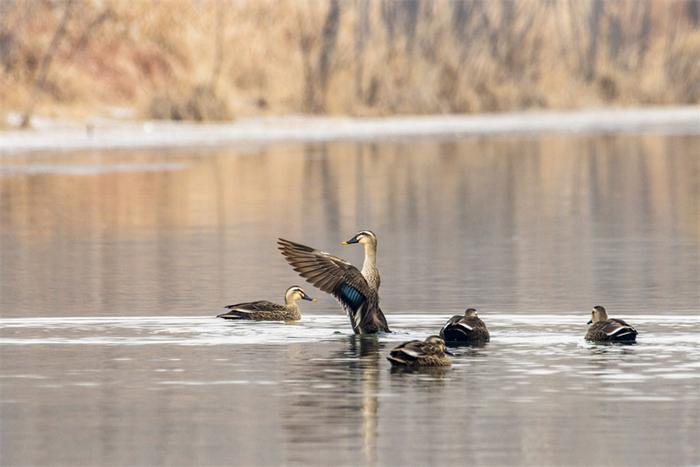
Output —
<point x="306" y="297"/>
<point x="449" y="352"/>
<point x="351" y="241"/>
<point x="590" y="321"/>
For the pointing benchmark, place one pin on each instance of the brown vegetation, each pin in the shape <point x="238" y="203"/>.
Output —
<point x="212" y="59"/>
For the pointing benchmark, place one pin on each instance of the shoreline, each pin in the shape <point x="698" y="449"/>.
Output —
<point x="106" y="134"/>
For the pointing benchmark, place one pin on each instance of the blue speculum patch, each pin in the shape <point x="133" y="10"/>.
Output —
<point x="351" y="294"/>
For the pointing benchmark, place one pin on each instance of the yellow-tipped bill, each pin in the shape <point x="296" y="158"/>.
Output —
<point x="351" y="241"/>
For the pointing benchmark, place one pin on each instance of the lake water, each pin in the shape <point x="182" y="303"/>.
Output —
<point x="114" y="263"/>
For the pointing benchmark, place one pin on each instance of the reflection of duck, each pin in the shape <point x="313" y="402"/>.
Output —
<point x="263" y="310"/>
<point x="368" y="348"/>
<point x="604" y="329"/>
<point x="465" y="329"/>
<point x="357" y="292"/>
<point x="365" y="346"/>
<point x="428" y="353"/>
<point x="313" y="406"/>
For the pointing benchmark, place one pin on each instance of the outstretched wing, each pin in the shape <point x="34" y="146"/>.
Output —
<point x="332" y="275"/>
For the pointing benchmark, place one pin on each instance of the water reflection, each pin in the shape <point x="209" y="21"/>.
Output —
<point x="533" y="231"/>
<point x="498" y="223"/>
<point x="270" y="397"/>
<point x="339" y="393"/>
<point x="369" y="351"/>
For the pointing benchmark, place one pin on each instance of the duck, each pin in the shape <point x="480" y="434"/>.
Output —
<point x="263" y="310"/>
<point x="465" y="329"/>
<point x="356" y="291"/>
<point x="604" y="329"/>
<point x="428" y="353"/>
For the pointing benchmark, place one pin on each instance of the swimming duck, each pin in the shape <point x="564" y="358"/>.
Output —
<point x="357" y="292"/>
<point x="604" y="329"/>
<point x="465" y="329"/>
<point x="428" y="353"/>
<point x="267" y="311"/>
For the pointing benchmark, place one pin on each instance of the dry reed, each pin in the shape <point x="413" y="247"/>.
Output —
<point x="212" y="59"/>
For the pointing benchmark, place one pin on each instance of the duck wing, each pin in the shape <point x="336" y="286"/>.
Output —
<point x="407" y="352"/>
<point x="617" y="327"/>
<point x="260" y="305"/>
<point x="474" y="322"/>
<point x="621" y="322"/>
<point x="451" y="322"/>
<point x="249" y="310"/>
<point x="335" y="276"/>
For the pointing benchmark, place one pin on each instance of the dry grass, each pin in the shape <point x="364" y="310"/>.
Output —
<point x="210" y="60"/>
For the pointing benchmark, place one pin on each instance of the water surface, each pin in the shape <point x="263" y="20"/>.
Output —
<point x="113" y="264"/>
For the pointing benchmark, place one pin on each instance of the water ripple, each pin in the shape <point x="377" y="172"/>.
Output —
<point x="520" y="332"/>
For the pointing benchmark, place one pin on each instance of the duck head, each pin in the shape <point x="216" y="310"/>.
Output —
<point x="598" y="313"/>
<point x="471" y="312"/>
<point x="364" y="237"/>
<point x="295" y="293"/>
<point x="439" y="342"/>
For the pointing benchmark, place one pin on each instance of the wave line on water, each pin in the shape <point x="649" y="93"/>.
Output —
<point x="508" y="329"/>
<point x="315" y="318"/>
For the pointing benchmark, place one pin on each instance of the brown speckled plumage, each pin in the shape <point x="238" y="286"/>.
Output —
<point x="263" y="310"/>
<point x="427" y="353"/>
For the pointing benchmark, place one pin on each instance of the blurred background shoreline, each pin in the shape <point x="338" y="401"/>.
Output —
<point x="209" y="60"/>
<point x="100" y="133"/>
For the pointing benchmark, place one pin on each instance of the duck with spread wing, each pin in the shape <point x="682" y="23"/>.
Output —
<point x="357" y="291"/>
